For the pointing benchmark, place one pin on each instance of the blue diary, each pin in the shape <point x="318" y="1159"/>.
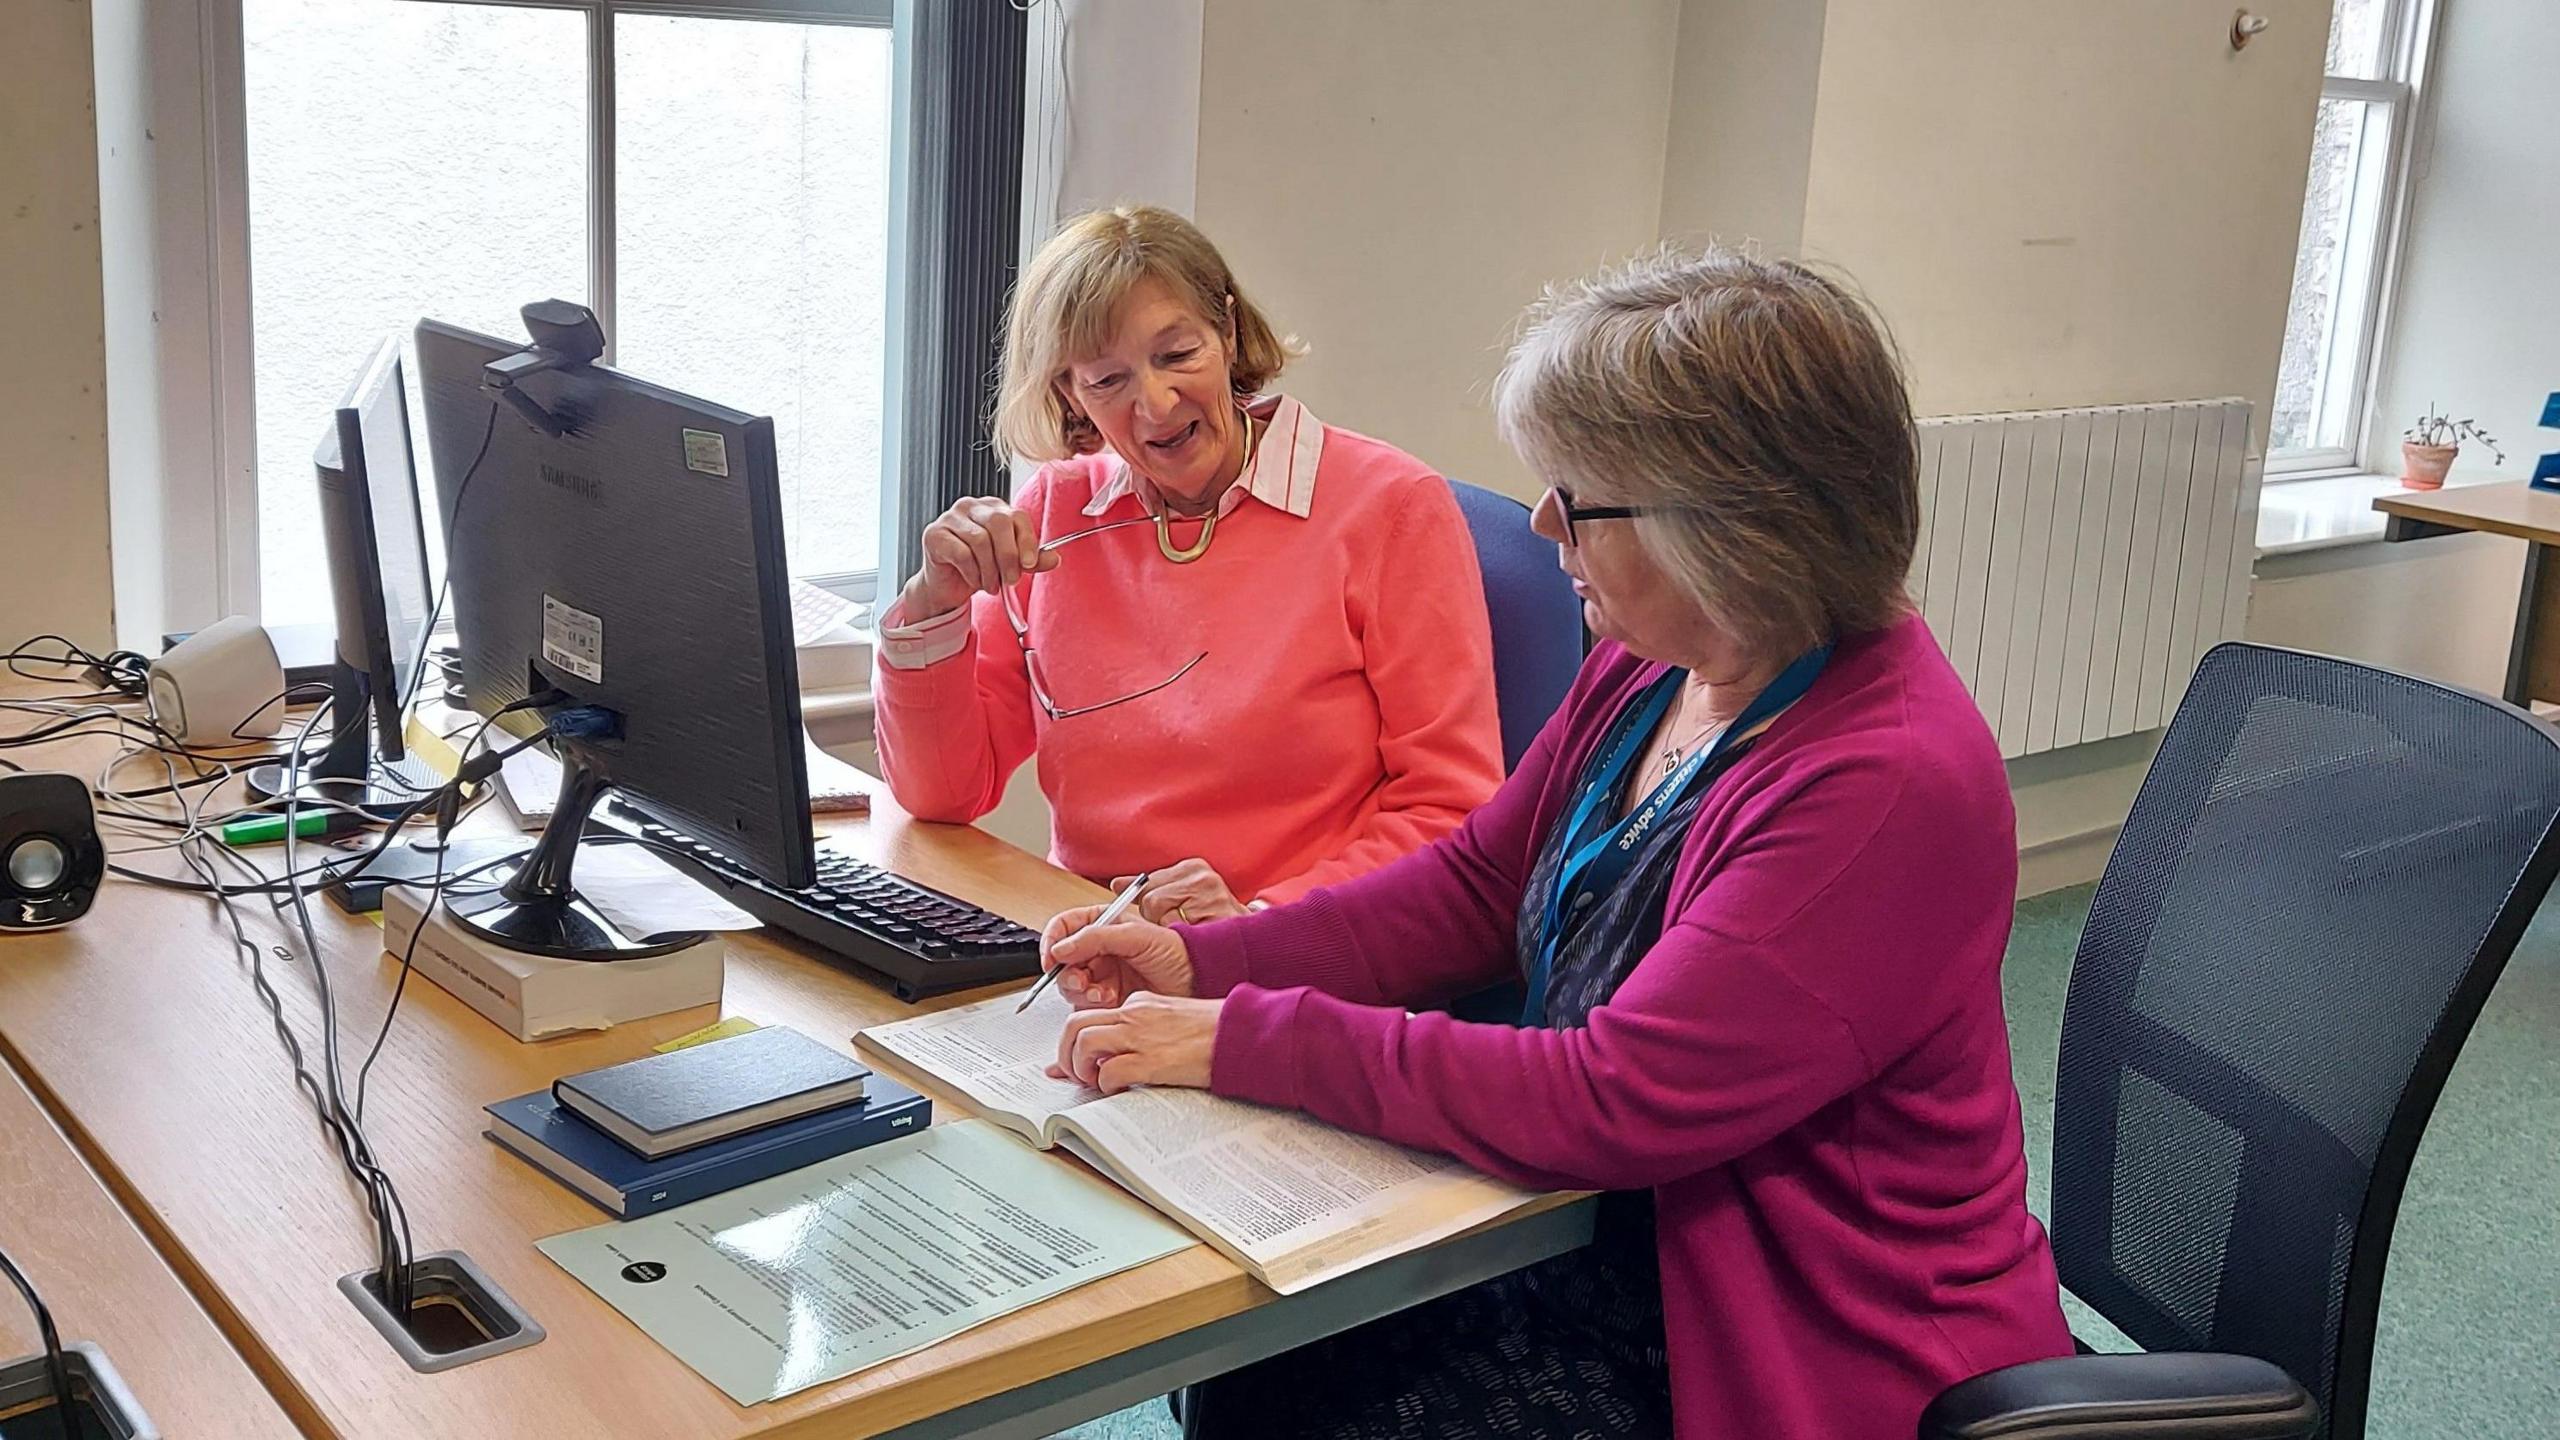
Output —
<point x="586" y="1160"/>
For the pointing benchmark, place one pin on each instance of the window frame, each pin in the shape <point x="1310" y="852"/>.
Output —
<point x="2407" y="36"/>
<point x="234" y="438"/>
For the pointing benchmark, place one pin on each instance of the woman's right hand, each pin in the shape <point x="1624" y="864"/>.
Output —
<point x="980" y="543"/>
<point x="1106" y="964"/>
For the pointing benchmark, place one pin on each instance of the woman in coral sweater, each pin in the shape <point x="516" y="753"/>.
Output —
<point x="1249" y="649"/>
<point x="1757" y="876"/>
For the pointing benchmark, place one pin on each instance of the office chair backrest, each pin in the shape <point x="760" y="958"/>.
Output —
<point x="1537" y="622"/>
<point x="2325" y="871"/>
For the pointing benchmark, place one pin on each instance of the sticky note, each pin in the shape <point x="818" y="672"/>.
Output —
<point x="734" y="1025"/>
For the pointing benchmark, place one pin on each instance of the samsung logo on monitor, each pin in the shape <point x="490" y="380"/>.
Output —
<point x="584" y="487"/>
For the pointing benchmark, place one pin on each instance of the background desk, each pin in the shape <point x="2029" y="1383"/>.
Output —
<point x="138" y="1023"/>
<point x="2530" y="515"/>
<point x="103" y="1283"/>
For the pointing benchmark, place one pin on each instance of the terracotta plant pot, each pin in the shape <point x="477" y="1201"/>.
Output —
<point x="2423" y="467"/>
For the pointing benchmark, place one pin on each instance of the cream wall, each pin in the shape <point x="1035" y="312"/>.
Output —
<point x="53" y="407"/>
<point x="1395" y="181"/>
<point x="1740" y="149"/>
<point x="2067" y="204"/>
<point x="2443" y="608"/>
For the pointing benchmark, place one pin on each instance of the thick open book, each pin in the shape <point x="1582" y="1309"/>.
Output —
<point x="1291" y="1199"/>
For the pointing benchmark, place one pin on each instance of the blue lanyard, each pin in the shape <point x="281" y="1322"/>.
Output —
<point x="1597" y="854"/>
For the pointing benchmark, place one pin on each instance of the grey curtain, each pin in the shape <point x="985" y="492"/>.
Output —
<point x="957" y="227"/>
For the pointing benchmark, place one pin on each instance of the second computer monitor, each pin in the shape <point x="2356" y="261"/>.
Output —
<point x="376" y="550"/>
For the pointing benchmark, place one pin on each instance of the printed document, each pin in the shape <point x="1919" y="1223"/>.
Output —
<point x="1293" y="1200"/>
<point x="807" y="1277"/>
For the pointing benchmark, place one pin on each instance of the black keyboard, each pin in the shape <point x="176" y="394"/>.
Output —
<point x="917" y="942"/>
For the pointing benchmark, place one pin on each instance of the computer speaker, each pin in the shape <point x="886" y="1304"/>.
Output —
<point x="51" y="860"/>
<point x="216" y="681"/>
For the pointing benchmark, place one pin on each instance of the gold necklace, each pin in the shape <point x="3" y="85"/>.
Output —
<point x="1208" y="522"/>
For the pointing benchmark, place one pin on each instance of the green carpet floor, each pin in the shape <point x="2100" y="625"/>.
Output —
<point x="2471" y="1308"/>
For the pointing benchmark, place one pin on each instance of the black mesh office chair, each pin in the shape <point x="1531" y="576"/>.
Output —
<point x="2323" y="876"/>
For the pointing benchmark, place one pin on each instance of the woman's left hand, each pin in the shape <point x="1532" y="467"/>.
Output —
<point x="1148" y="1039"/>
<point x="1186" y="892"/>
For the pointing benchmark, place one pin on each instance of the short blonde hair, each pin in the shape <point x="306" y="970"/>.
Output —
<point x="1760" y="405"/>
<point x="1062" y="308"/>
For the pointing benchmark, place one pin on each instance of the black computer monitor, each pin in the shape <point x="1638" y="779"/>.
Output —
<point x="633" y="562"/>
<point x="377" y="555"/>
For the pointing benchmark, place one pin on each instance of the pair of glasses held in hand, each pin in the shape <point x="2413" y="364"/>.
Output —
<point x="1017" y="615"/>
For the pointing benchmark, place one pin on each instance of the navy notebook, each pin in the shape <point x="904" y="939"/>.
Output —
<point x="574" y="1153"/>
<point x="661" y="1104"/>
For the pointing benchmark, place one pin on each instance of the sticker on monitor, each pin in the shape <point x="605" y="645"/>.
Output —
<point x="573" y="640"/>
<point x="706" y="452"/>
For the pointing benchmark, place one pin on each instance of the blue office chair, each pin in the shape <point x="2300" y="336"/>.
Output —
<point x="2325" y="871"/>
<point x="1537" y="622"/>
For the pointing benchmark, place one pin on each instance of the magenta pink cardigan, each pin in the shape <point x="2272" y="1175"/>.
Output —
<point x="1810" y="1069"/>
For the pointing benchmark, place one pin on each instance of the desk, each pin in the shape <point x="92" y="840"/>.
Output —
<point x="103" y="1283"/>
<point x="139" y="1023"/>
<point x="2519" y="510"/>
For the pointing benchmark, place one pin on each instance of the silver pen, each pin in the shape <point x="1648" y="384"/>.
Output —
<point x="1119" y="904"/>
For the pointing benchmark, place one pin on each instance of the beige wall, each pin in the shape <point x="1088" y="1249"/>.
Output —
<point x="1740" y="147"/>
<point x="2068" y="204"/>
<point x="1395" y="181"/>
<point x="53" y="407"/>
<point x="2441" y="608"/>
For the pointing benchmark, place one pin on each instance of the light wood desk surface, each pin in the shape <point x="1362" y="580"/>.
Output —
<point x="2514" y="508"/>
<point x="139" y="1027"/>
<point x="104" y="1283"/>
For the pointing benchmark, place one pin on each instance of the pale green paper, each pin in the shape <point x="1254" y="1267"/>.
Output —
<point x="806" y="1277"/>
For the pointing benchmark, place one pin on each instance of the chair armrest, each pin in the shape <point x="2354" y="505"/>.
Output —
<point x="2167" y="1396"/>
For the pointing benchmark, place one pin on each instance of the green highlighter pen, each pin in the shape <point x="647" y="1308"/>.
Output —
<point x="266" y="829"/>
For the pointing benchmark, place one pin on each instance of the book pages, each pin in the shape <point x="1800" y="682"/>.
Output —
<point x="1295" y="1199"/>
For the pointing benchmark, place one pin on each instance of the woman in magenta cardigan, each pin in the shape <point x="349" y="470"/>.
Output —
<point x="1757" y="875"/>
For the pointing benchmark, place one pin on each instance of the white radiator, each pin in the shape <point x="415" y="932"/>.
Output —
<point x="2076" y="563"/>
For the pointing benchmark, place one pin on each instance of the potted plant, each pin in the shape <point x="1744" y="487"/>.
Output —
<point x="2428" y="447"/>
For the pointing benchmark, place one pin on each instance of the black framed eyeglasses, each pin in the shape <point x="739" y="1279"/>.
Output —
<point x="1575" y="514"/>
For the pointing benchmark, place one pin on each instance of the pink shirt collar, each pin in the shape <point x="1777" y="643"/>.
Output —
<point x="1281" y="474"/>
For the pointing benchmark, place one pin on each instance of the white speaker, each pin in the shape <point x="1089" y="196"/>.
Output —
<point x="215" y="681"/>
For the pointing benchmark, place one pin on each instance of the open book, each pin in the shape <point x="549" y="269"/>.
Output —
<point x="1291" y="1199"/>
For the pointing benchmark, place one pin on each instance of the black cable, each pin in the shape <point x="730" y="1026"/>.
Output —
<point x="355" y="1153"/>
<point x="435" y="891"/>
<point x="126" y="672"/>
<point x="387" y="1230"/>
<point x="68" y="726"/>
<point x="444" y="585"/>
<point x="395" y="1276"/>
<point x="200" y="852"/>
<point x="286" y="700"/>
<point x="57" y="1369"/>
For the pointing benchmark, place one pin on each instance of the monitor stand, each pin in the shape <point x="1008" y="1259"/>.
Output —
<point x="349" y="772"/>
<point x="538" y="911"/>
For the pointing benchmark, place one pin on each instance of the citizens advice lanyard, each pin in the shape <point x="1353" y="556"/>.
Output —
<point x="1597" y="854"/>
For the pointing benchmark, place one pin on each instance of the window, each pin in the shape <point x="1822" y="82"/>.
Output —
<point x="712" y="176"/>
<point x="2351" y="212"/>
